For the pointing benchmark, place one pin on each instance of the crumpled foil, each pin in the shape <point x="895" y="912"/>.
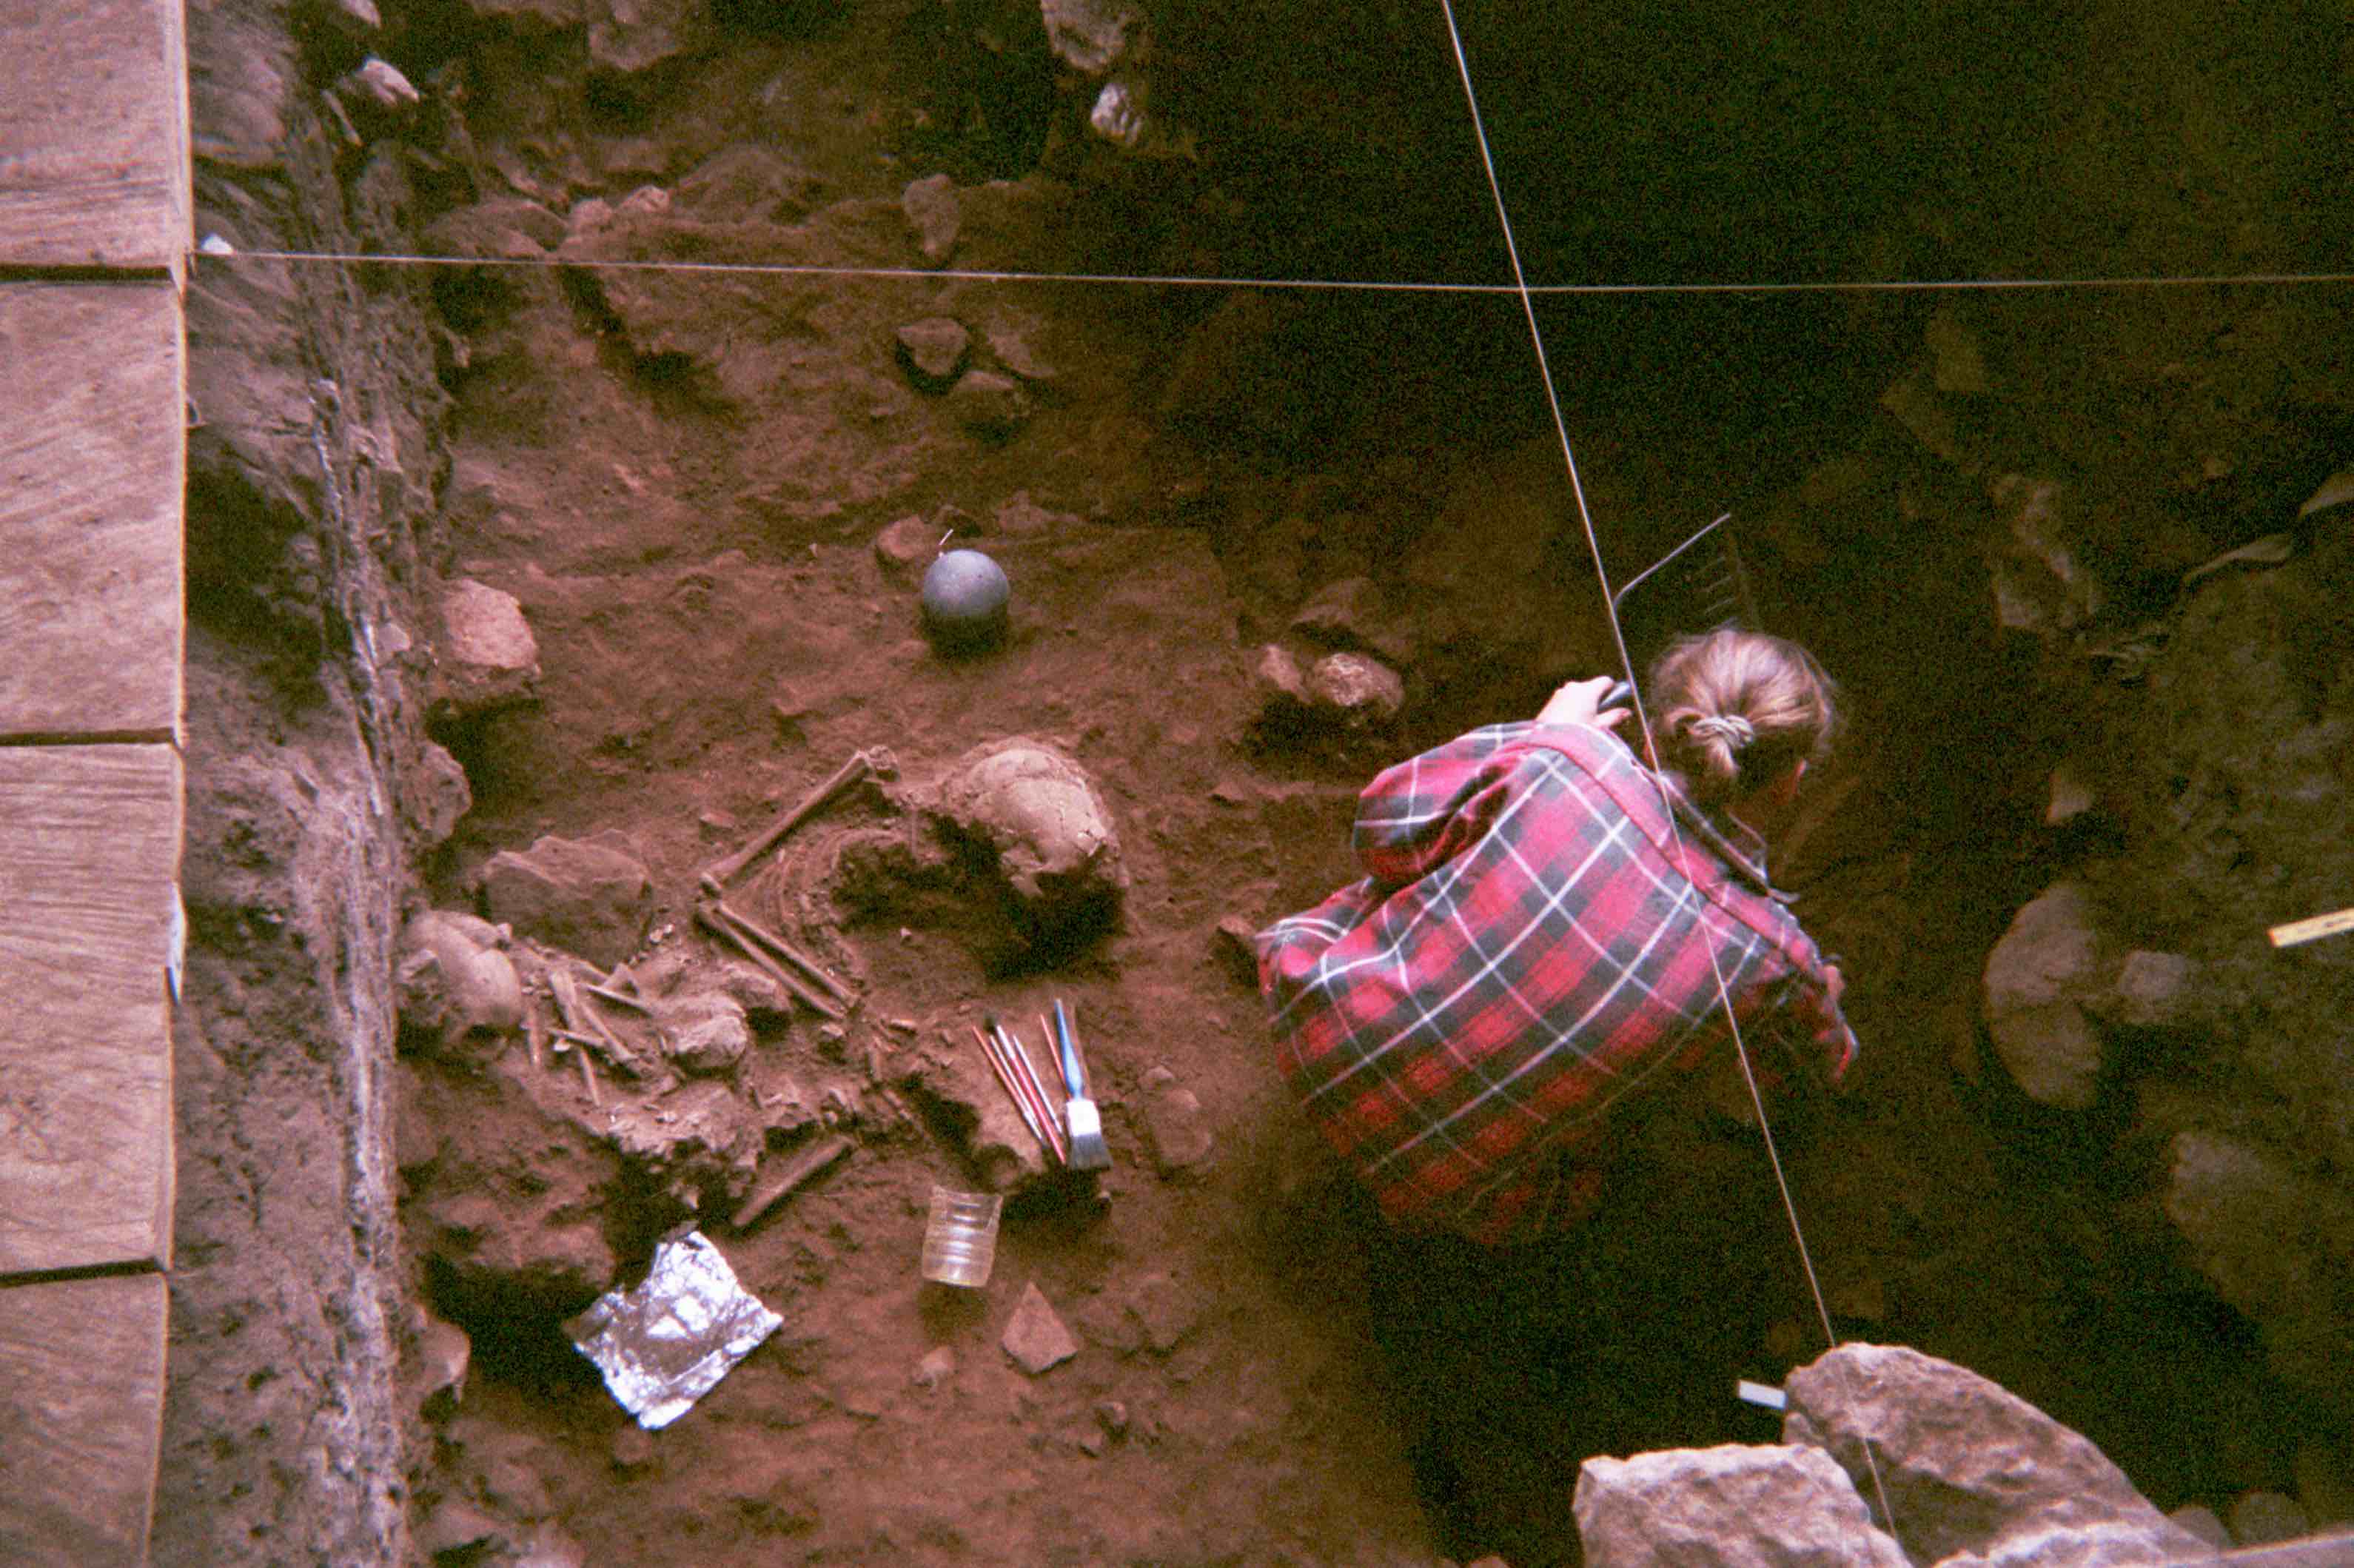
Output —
<point x="667" y="1343"/>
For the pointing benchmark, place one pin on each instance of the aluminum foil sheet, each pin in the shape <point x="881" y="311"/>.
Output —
<point x="667" y="1343"/>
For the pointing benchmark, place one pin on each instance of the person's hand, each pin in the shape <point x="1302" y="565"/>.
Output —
<point x="1834" y="983"/>
<point x="1578" y="702"/>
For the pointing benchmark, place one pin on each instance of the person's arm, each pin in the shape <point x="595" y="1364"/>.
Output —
<point x="1420" y="814"/>
<point x="1818" y="1028"/>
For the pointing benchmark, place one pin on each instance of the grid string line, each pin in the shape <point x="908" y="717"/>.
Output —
<point x="1650" y="745"/>
<point x="1356" y="285"/>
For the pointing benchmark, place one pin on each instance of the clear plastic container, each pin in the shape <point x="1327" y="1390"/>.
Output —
<point x="960" y="1240"/>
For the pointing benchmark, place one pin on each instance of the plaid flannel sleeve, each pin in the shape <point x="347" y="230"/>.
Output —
<point x="1421" y="813"/>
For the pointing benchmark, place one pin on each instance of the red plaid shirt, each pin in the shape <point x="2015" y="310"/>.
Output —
<point x="1530" y="949"/>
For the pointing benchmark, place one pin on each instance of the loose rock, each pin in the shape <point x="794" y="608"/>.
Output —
<point x="2070" y="798"/>
<point x="2039" y="586"/>
<point x="1727" y="1507"/>
<point x="1162" y="1313"/>
<point x="444" y="1355"/>
<point x="522" y="1242"/>
<point x="990" y="407"/>
<point x="934" y="352"/>
<point x="935" y="1369"/>
<point x="933" y="215"/>
<point x="1036" y="1338"/>
<point x="1173" y="1121"/>
<point x="2034" y="978"/>
<point x="1968" y="1465"/>
<point x="488" y="658"/>
<point x="960" y="1096"/>
<point x="1235" y="944"/>
<point x="434" y="795"/>
<point x="2272" y="1242"/>
<point x="2258" y="1518"/>
<point x="1009" y="343"/>
<point x="456" y="1526"/>
<point x="377" y="85"/>
<point x="910" y="544"/>
<point x="746" y="182"/>
<point x="591" y="896"/>
<point x="2151" y="988"/>
<point x="1282" y="680"/>
<point x="1090" y="35"/>
<point x="634" y="1447"/>
<point x="2203" y="1523"/>
<point x="634" y="36"/>
<point x="1358" y="690"/>
<point x="705" y="1032"/>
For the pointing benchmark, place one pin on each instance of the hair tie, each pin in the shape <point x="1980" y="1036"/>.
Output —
<point x="1731" y="728"/>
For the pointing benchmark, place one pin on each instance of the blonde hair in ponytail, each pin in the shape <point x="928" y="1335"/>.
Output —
<point x="1738" y="710"/>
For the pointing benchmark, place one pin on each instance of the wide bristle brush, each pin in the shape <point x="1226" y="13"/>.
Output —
<point x="1080" y="1118"/>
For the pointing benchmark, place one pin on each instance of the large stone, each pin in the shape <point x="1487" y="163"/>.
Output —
<point x="705" y="1032"/>
<point x="960" y="1096"/>
<point x="2114" y="1545"/>
<point x="2039" y="587"/>
<point x="633" y="36"/>
<point x="2036" y="979"/>
<point x="2274" y="1244"/>
<point x="934" y="351"/>
<point x="1091" y="36"/>
<point x="2151" y="988"/>
<point x="590" y="895"/>
<point x="1037" y="817"/>
<point x="434" y="795"/>
<point x="487" y="658"/>
<point x="1968" y="1465"/>
<point x="990" y="407"/>
<point x="2260" y="1518"/>
<point x="1727" y="1507"/>
<point x="458" y="993"/>
<point x="934" y="214"/>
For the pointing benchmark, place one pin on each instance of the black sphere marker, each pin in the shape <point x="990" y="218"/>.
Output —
<point x="965" y="596"/>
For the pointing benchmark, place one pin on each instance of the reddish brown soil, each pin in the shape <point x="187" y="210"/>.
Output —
<point x="680" y="479"/>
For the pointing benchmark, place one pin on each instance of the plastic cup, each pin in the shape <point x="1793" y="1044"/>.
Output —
<point x="960" y="1239"/>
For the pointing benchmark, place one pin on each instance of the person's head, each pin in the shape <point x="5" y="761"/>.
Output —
<point x="1740" y="713"/>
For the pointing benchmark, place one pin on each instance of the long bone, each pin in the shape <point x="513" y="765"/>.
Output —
<point x="874" y="761"/>
<point x="713" y="916"/>
<point x="784" y="949"/>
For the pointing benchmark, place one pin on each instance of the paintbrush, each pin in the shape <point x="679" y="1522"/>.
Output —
<point x="1005" y="1081"/>
<point x="1088" y="1151"/>
<point x="1025" y="1086"/>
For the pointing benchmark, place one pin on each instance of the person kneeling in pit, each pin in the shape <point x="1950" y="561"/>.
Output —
<point x="1532" y="950"/>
